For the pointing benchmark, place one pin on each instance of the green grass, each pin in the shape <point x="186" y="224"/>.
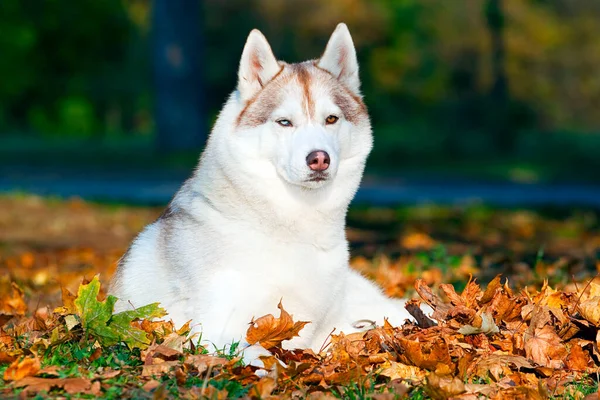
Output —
<point x="578" y="390"/>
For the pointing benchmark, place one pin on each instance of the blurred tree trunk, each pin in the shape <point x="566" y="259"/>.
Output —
<point x="179" y="106"/>
<point x="500" y="126"/>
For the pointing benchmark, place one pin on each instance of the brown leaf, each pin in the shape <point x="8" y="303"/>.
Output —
<point x="544" y="347"/>
<point x="414" y="308"/>
<point x="157" y="329"/>
<point x="485" y="325"/>
<point x="202" y="362"/>
<point x="577" y="359"/>
<point x="109" y="374"/>
<point x="151" y="385"/>
<point x="70" y="385"/>
<point x="396" y="370"/>
<point x="454" y="298"/>
<point x="498" y="365"/>
<point x="470" y="294"/>
<point x="50" y="370"/>
<point x="29" y="366"/>
<point x="263" y="388"/>
<point x="208" y="392"/>
<point x="174" y="341"/>
<point x="159" y="369"/>
<point x="159" y="352"/>
<point x="443" y="387"/>
<point x="270" y="331"/>
<point x="12" y="300"/>
<point x="590" y="310"/>
<point x="440" y="309"/>
<point x="430" y="354"/>
<point x="68" y="300"/>
<point x="490" y="290"/>
<point x="185" y="329"/>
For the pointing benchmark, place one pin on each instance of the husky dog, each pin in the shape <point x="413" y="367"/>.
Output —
<point x="262" y="218"/>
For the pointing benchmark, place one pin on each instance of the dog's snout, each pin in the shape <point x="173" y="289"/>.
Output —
<point x="318" y="160"/>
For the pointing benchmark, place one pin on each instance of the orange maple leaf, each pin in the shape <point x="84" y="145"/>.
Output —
<point x="20" y="369"/>
<point x="545" y="348"/>
<point x="270" y="331"/>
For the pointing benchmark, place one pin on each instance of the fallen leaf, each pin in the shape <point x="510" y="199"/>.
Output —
<point x="159" y="369"/>
<point x="443" y="387"/>
<point x="429" y="354"/>
<point x="97" y="317"/>
<point x="151" y="385"/>
<point x="590" y="310"/>
<point x="545" y="348"/>
<point x="396" y="370"/>
<point x="263" y="388"/>
<point x="12" y="301"/>
<point x="19" y="369"/>
<point x="413" y="307"/>
<point x="490" y="290"/>
<point x="202" y="362"/>
<point x="440" y="309"/>
<point x="69" y="385"/>
<point x="209" y="392"/>
<point x="498" y="365"/>
<point x="488" y="326"/>
<point x="270" y="331"/>
<point x="578" y="359"/>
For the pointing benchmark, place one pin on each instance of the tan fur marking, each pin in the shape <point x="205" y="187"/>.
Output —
<point x="304" y="79"/>
<point x="252" y="115"/>
<point x="259" y="108"/>
<point x="351" y="104"/>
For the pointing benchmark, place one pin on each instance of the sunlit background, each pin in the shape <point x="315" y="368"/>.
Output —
<point x="487" y="89"/>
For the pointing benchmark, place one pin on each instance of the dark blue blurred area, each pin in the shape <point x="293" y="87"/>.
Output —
<point x="495" y="100"/>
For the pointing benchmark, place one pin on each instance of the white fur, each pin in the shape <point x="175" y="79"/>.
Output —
<point x="247" y="230"/>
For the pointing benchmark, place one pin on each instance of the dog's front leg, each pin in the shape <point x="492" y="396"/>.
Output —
<point x="364" y="300"/>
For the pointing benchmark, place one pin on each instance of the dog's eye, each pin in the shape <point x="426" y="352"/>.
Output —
<point x="332" y="119"/>
<point x="284" y="122"/>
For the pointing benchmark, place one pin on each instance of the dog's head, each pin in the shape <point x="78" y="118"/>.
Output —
<point x="306" y="120"/>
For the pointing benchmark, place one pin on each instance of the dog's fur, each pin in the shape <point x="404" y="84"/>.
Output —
<point x="254" y="224"/>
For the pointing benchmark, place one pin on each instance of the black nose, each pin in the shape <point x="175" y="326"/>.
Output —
<point x="318" y="160"/>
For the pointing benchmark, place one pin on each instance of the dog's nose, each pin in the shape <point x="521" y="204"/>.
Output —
<point x="318" y="160"/>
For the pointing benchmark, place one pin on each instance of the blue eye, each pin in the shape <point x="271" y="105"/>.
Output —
<point x="284" y="122"/>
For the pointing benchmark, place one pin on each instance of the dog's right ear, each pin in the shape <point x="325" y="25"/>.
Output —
<point x="257" y="66"/>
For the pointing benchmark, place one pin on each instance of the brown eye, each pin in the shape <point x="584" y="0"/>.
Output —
<point x="332" y="119"/>
<point x="284" y="122"/>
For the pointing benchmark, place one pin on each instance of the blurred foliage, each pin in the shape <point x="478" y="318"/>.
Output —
<point x="427" y="68"/>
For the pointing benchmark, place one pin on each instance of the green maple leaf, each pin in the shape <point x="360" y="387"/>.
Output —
<point x="97" y="317"/>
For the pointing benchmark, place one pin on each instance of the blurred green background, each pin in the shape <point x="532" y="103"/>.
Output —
<point x="505" y="89"/>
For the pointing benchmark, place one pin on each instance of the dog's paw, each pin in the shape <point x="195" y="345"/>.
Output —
<point x="251" y="355"/>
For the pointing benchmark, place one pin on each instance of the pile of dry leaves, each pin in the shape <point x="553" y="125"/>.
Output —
<point x="490" y="343"/>
<point x="533" y="342"/>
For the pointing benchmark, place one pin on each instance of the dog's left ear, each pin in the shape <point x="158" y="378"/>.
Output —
<point x="339" y="58"/>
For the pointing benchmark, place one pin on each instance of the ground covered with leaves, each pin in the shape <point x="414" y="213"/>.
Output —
<point x="515" y="298"/>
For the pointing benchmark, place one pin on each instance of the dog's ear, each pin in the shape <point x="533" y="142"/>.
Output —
<point x="340" y="60"/>
<point x="257" y="66"/>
